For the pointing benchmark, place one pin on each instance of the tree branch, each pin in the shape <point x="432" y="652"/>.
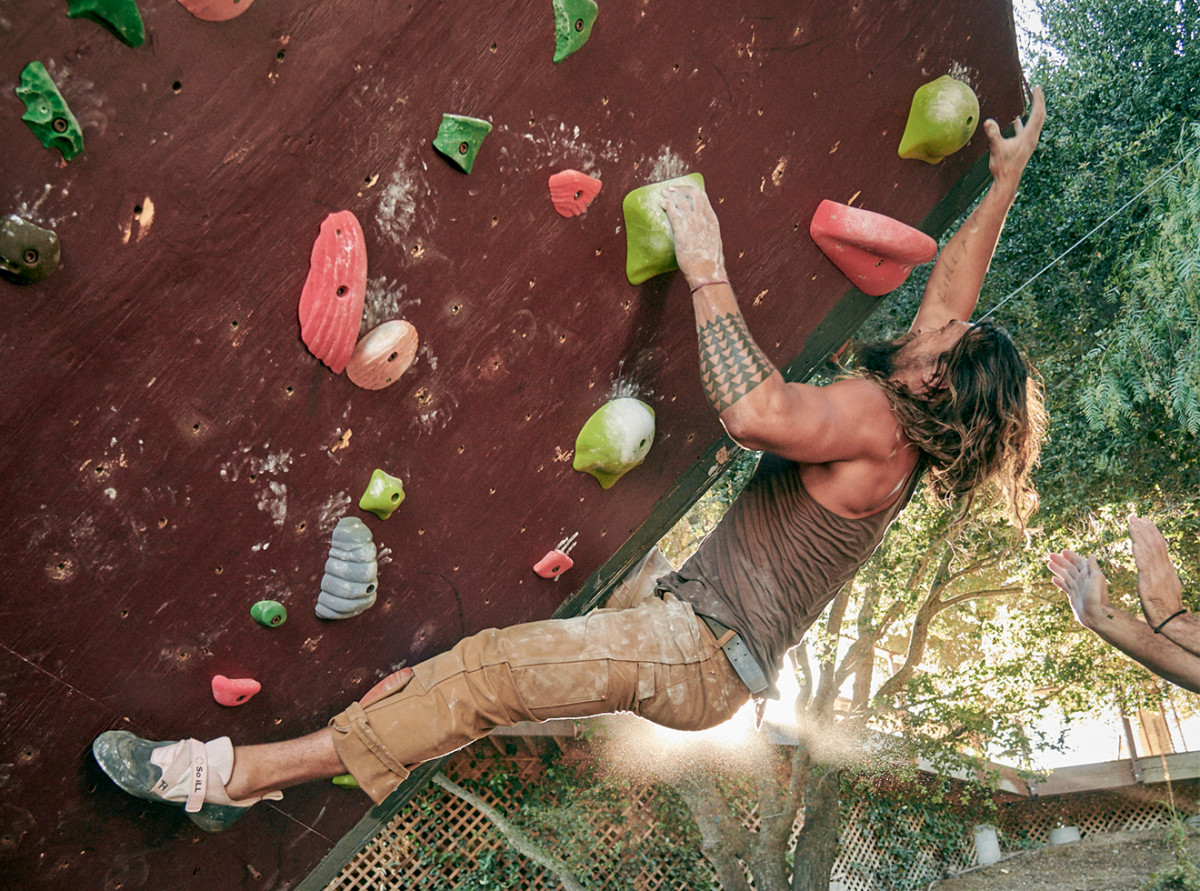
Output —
<point x="514" y="836"/>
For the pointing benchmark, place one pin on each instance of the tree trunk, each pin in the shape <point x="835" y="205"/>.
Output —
<point x="817" y="844"/>
<point x="721" y="841"/>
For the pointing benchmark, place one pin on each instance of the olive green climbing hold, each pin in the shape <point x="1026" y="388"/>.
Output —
<point x="459" y="138"/>
<point x="649" y="244"/>
<point x="346" y="781"/>
<point x="119" y="16"/>
<point x="383" y="495"/>
<point x="942" y="119"/>
<point x="573" y="20"/>
<point x="28" y="253"/>
<point x="269" y="613"/>
<point x="46" y="112"/>
<point x="615" y="439"/>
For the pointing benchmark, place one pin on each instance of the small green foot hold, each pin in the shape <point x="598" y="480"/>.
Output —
<point x="942" y="119"/>
<point x="346" y="781"/>
<point x="384" y="494"/>
<point x="46" y="112"/>
<point x="119" y="16"/>
<point x="459" y="139"/>
<point x="649" y="243"/>
<point x="573" y="20"/>
<point x="615" y="440"/>
<point x="269" y="612"/>
<point x="28" y="253"/>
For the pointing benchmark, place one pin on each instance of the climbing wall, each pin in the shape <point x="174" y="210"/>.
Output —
<point x="172" y="453"/>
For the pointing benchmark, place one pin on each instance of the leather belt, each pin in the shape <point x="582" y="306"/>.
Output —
<point x="739" y="656"/>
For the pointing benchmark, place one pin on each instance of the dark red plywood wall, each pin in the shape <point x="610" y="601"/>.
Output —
<point x="171" y="452"/>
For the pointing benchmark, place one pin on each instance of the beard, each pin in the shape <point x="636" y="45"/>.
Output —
<point x="879" y="357"/>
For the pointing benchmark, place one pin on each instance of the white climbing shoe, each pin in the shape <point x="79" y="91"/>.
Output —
<point x="186" y="773"/>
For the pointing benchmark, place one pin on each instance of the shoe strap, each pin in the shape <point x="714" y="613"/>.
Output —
<point x="193" y="767"/>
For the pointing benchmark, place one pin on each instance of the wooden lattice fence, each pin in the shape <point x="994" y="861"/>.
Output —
<point x="439" y="839"/>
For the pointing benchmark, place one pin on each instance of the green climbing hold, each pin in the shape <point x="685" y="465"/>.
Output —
<point x="346" y="781"/>
<point x="942" y="119"/>
<point x="384" y="494"/>
<point x="269" y="612"/>
<point x="573" y="20"/>
<point x="649" y="244"/>
<point x="46" y="112"/>
<point x="459" y="138"/>
<point x="119" y="16"/>
<point x="615" y="439"/>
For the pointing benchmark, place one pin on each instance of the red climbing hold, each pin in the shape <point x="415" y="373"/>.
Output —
<point x="331" y="305"/>
<point x="874" y="251"/>
<point x="233" y="691"/>
<point x="553" y="564"/>
<point x="572" y="191"/>
<point x="216" y="10"/>
<point x="397" y="680"/>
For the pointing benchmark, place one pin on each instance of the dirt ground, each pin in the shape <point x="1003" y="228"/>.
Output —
<point x="1120" y="861"/>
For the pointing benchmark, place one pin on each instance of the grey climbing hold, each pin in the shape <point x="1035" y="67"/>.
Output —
<point x="351" y="577"/>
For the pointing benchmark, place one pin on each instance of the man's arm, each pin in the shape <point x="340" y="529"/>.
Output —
<point x="757" y="407"/>
<point x="1159" y="588"/>
<point x="1087" y="590"/>
<point x="953" y="287"/>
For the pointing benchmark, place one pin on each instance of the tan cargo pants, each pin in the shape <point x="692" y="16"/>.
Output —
<point x="654" y="658"/>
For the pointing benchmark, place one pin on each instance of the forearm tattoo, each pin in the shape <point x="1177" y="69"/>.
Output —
<point x="731" y="364"/>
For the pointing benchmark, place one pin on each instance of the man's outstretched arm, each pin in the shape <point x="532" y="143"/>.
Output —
<point x="1159" y="588"/>
<point x="1087" y="590"/>
<point x="953" y="287"/>
<point x="757" y="407"/>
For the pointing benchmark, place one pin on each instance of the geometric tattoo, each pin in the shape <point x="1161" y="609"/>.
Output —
<point x="731" y="364"/>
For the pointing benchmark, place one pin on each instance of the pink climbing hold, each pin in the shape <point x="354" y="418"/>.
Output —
<point x="572" y="191"/>
<point x="331" y="304"/>
<point x="553" y="564"/>
<point x="395" y="681"/>
<point x="874" y="251"/>
<point x="383" y="354"/>
<point x="216" y="10"/>
<point x="234" y="691"/>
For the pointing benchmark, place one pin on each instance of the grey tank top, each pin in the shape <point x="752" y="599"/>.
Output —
<point x="777" y="558"/>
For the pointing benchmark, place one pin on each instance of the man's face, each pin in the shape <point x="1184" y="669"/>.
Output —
<point x="915" y="364"/>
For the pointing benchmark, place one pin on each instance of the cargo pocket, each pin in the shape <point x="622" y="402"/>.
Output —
<point x="564" y="689"/>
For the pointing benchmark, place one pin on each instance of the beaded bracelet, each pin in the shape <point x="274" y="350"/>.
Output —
<point x="1168" y="619"/>
<point x="719" y="281"/>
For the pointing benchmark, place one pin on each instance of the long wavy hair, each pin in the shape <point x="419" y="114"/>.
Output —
<point x="986" y="424"/>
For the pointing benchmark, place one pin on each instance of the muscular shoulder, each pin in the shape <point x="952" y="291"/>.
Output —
<point x="866" y="415"/>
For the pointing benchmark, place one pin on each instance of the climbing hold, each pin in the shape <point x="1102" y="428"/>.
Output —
<point x="459" y="139"/>
<point x="331" y="304"/>
<point x="572" y="191"/>
<point x="28" y="253"/>
<point x="556" y="562"/>
<point x="234" y="691"/>
<point x="269" y="613"/>
<point x="874" y="251"/>
<point x="383" y="354"/>
<point x="649" y="244"/>
<point x="393" y="683"/>
<point x="216" y="10"/>
<point x="351" y="574"/>
<point x="615" y="439"/>
<point x="384" y="494"/>
<point x="573" y="20"/>
<point x="942" y="119"/>
<point x="46" y="112"/>
<point x="346" y="781"/>
<point x="119" y="16"/>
